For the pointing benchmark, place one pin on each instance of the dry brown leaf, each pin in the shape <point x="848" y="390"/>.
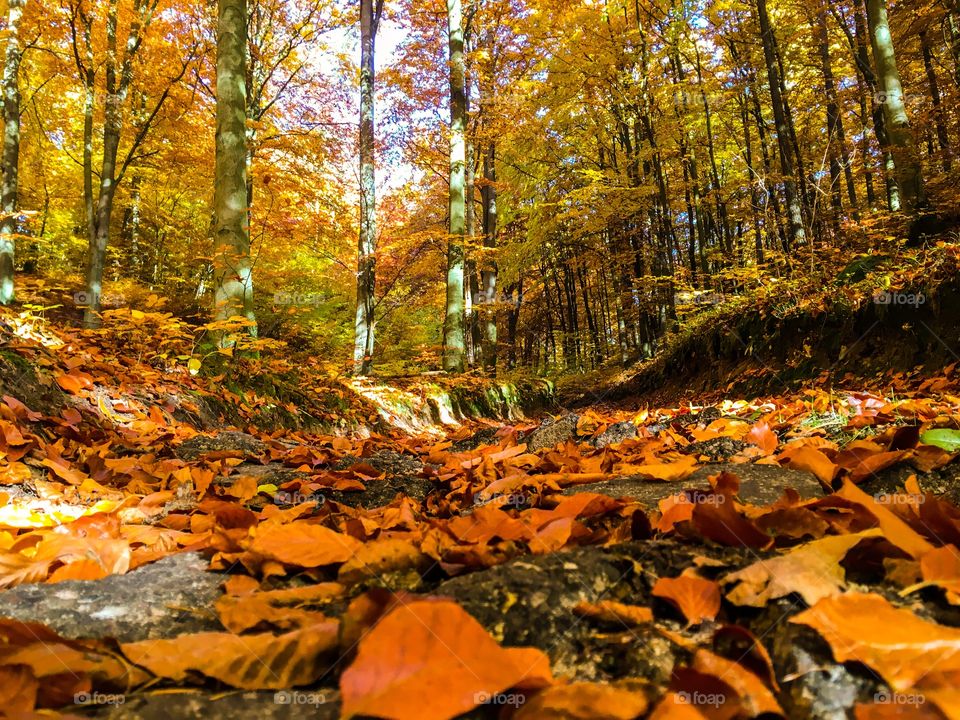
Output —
<point x="430" y="660"/>
<point x="584" y="701"/>
<point x="249" y="662"/>
<point x="696" y="597"/>
<point x="901" y="647"/>
<point x="894" y="529"/>
<point x="303" y="544"/>
<point x="812" y="570"/>
<point x="614" y="612"/>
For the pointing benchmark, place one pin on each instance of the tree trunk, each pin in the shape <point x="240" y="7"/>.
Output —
<point x="488" y="276"/>
<point x="453" y="335"/>
<point x="367" y="244"/>
<point x="902" y="142"/>
<point x="232" y="279"/>
<point x="794" y="210"/>
<point x="943" y="139"/>
<point x="11" y="150"/>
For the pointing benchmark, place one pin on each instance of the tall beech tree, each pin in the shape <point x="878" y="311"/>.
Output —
<point x="453" y="325"/>
<point x="370" y="13"/>
<point x="9" y="189"/>
<point x="233" y="270"/>
<point x="903" y="143"/>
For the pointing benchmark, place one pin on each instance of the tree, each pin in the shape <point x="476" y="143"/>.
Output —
<point x="233" y="271"/>
<point x="11" y="150"/>
<point x="367" y="244"/>
<point x="118" y="83"/>
<point x="453" y="325"/>
<point x="902" y="141"/>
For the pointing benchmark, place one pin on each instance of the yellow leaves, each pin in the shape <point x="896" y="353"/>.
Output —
<point x="250" y="662"/>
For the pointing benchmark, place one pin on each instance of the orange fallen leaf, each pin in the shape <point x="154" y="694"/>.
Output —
<point x="249" y="662"/>
<point x="584" y="701"/>
<point x="696" y="597"/>
<point x="430" y="660"/>
<point x="901" y="647"/>
<point x="303" y="544"/>
<point x="616" y="612"/>
<point x="812" y="570"/>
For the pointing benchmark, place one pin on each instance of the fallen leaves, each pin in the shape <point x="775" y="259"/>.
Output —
<point x="250" y="662"/>
<point x="697" y="598"/>
<point x="901" y="647"/>
<point x="431" y="660"/>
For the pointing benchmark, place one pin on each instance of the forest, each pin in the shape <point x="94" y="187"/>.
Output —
<point x="515" y="359"/>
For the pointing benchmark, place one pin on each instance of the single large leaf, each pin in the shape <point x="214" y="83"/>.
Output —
<point x="430" y="660"/>
<point x="901" y="647"/>
<point x="250" y="662"/>
<point x="943" y="438"/>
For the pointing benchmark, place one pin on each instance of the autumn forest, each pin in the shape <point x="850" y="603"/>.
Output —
<point x="515" y="359"/>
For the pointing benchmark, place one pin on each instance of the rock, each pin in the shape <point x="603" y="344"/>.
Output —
<point x="759" y="484"/>
<point x="323" y="704"/>
<point x="380" y="492"/>
<point x="529" y="601"/>
<point x="386" y="461"/>
<point x="229" y="443"/>
<point x="167" y="598"/>
<point x="715" y="449"/>
<point x="486" y="436"/>
<point x="616" y="433"/>
<point x="821" y="688"/>
<point x="552" y="432"/>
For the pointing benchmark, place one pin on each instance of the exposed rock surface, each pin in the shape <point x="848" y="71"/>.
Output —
<point x="552" y="432"/>
<point x="170" y="597"/>
<point x="759" y="484"/>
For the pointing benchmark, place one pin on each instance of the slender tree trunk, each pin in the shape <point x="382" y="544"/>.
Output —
<point x="367" y="244"/>
<point x="233" y="272"/>
<point x="902" y="142"/>
<point x="943" y="139"/>
<point x="794" y="207"/>
<point x="488" y="277"/>
<point x="11" y="150"/>
<point x="453" y="325"/>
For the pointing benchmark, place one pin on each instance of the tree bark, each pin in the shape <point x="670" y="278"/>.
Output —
<point x="367" y="244"/>
<point x="453" y="325"/>
<point x="902" y="142"/>
<point x="488" y="276"/>
<point x="797" y="233"/>
<point x="943" y="139"/>
<point x="232" y="279"/>
<point x="11" y="150"/>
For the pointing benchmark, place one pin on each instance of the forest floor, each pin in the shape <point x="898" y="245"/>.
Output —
<point x="254" y="540"/>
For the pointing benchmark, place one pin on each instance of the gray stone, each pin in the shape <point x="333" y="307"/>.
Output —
<point x="616" y="433"/>
<point x="227" y="443"/>
<point x="552" y="432"/>
<point x="167" y="598"/>
<point x="759" y="484"/>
